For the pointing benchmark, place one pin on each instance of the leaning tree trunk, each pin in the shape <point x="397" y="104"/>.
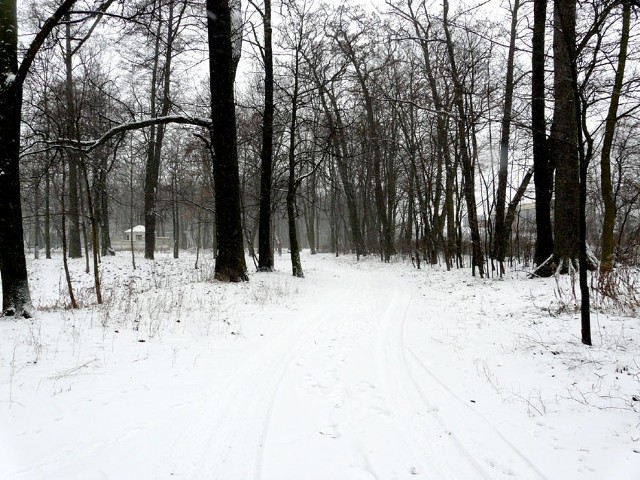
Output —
<point x="13" y="266"/>
<point x="230" y="261"/>
<point x="609" y="219"/>
<point x="500" y="239"/>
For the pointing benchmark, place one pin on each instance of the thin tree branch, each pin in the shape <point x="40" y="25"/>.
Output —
<point x="38" y="41"/>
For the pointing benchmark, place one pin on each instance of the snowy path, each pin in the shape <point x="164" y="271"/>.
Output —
<point x="358" y="372"/>
<point x="339" y="395"/>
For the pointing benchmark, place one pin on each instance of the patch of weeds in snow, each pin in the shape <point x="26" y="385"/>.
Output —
<point x="534" y="400"/>
<point x="617" y="291"/>
<point x="274" y="290"/>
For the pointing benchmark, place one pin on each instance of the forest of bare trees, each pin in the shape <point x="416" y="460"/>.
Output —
<point x="467" y="134"/>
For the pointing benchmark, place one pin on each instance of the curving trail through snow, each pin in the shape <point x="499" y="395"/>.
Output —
<point x="358" y="403"/>
<point x="337" y="390"/>
<point x="340" y="394"/>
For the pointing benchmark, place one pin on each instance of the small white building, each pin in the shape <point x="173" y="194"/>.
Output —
<point x="137" y="235"/>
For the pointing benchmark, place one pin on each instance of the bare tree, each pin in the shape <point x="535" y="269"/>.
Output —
<point x="467" y="165"/>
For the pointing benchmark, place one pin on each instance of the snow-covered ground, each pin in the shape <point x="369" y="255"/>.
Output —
<point x="359" y="371"/>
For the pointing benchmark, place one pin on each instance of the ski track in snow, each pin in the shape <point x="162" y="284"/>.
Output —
<point x="227" y="438"/>
<point x="357" y="359"/>
<point x="339" y="393"/>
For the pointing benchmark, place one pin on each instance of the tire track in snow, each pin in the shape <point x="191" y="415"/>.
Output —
<point x="431" y="442"/>
<point x="227" y="441"/>
<point x="485" y="452"/>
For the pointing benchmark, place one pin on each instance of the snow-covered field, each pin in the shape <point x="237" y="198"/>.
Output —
<point x="359" y="371"/>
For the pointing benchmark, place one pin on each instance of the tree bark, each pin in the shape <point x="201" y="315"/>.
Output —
<point x="230" y="261"/>
<point x="341" y="151"/>
<point x="152" y="169"/>
<point x="338" y="146"/>
<point x="441" y="140"/>
<point x="102" y="208"/>
<point x="72" y="299"/>
<point x="94" y="233"/>
<point x="265" y="248"/>
<point x="542" y="166"/>
<point x="564" y="137"/>
<point x="16" y="299"/>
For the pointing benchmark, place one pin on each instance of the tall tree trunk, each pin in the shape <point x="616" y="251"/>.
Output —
<point x="83" y="215"/>
<point x="47" y="212"/>
<point x="564" y="138"/>
<point x="292" y="183"/>
<point x="341" y="154"/>
<point x="542" y="165"/>
<point x="500" y="239"/>
<point x="175" y="214"/>
<point x="16" y="299"/>
<point x="467" y="164"/>
<point x="156" y="136"/>
<point x="36" y="217"/>
<point x="131" y="207"/>
<point x="230" y="261"/>
<point x="310" y="212"/>
<point x="609" y="218"/>
<point x="265" y="248"/>
<point x="102" y="208"/>
<point x="151" y="168"/>
<point x="75" y="248"/>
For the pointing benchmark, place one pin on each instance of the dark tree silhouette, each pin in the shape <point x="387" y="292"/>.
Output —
<point x="230" y="262"/>
<point x="542" y="166"/>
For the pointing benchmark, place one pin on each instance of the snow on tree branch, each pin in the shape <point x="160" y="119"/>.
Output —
<point x="89" y="145"/>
